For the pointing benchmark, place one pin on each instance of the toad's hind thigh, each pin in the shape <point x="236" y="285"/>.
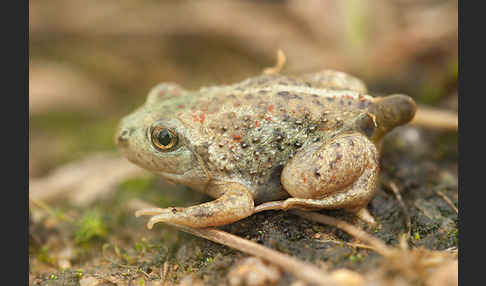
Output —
<point x="341" y="172"/>
<point x="354" y="197"/>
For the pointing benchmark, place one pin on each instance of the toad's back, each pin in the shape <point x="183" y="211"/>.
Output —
<point x="248" y="131"/>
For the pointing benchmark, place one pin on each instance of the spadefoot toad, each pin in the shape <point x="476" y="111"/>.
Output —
<point x="268" y="142"/>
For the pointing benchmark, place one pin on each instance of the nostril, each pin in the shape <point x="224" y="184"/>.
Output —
<point x="123" y="135"/>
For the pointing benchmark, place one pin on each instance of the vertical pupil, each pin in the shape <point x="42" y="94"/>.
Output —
<point x="164" y="137"/>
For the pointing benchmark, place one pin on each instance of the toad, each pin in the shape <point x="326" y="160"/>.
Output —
<point x="270" y="142"/>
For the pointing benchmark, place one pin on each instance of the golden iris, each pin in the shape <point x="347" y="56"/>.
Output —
<point x="163" y="138"/>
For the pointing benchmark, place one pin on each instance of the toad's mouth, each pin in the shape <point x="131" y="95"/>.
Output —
<point x="174" y="177"/>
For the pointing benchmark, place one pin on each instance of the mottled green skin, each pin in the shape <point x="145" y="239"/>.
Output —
<point x="248" y="133"/>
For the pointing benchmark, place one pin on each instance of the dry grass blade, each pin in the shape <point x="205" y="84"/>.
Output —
<point x="40" y="204"/>
<point x="448" y="201"/>
<point x="429" y="117"/>
<point x="377" y="244"/>
<point x="281" y="59"/>
<point x="393" y="187"/>
<point x="350" y="244"/>
<point x="302" y="270"/>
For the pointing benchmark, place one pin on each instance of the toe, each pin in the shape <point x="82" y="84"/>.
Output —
<point x="151" y="211"/>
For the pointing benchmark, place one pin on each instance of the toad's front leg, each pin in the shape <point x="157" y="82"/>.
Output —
<point x="236" y="203"/>
<point x="340" y="174"/>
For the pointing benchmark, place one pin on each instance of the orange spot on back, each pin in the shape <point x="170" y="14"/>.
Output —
<point x="197" y="118"/>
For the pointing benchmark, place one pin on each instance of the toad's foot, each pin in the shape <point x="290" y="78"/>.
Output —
<point x="365" y="216"/>
<point x="361" y="213"/>
<point x="236" y="203"/>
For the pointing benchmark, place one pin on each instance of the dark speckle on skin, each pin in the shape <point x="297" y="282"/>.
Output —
<point x="339" y="156"/>
<point x="336" y="145"/>
<point x="368" y="128"/>
<point x="283" y="93"/>
<point x="278" y="135"/>
<point x="295" y="96"/>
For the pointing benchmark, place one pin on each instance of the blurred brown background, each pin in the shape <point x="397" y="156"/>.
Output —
<point x="94" y="61"/>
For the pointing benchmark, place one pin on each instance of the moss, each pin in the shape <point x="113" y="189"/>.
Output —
<point x="355" y="257"/>
<point x="90" y="226"/>
<point x="416" y="236"/>
<point x="44" y="256"/>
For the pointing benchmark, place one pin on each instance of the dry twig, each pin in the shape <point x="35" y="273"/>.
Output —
<point x="302" y="270"/>
<point x="393" y="187"/>
<point x="351" y="244"/>
<point x="430" y="117"/>
<point x="448" y="201"/>
<point x="377" y="244"/>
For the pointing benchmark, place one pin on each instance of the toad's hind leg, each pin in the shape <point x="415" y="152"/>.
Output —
<point x="236" y="203"/>
<point x="340" y="174"/>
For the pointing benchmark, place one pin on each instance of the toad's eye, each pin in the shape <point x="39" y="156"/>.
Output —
<point x="163" y="138"/>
